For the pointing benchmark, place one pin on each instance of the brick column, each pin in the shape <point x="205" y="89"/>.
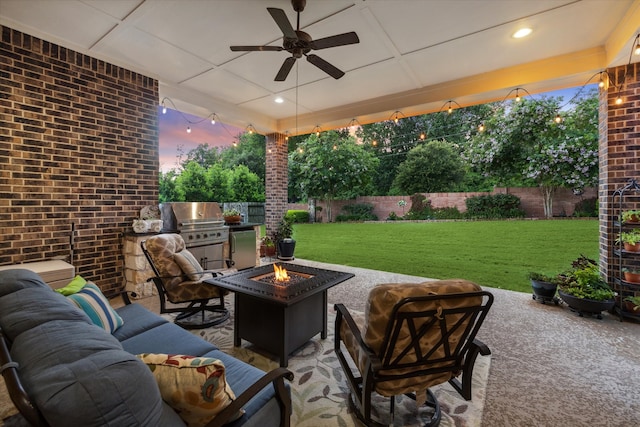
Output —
<point x="277" y="180"/>
<point x="619" y="128"/>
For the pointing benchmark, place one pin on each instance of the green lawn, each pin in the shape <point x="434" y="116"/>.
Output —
<point x="498" y="254"/>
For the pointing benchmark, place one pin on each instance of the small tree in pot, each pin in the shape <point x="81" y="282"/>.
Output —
<point x="284" y="242"/>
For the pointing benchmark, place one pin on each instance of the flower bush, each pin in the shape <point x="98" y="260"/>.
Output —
<point x="583" y="280"/>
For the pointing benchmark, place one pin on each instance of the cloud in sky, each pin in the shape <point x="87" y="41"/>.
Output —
<point x="173" y="134"/>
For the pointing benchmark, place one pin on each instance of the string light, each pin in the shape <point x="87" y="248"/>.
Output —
<point x="212" y="116"/>
<point x="250" y="129"/>
<point x="317" y="130"/>
<point x="558" y="118"/>
<point x="422" y="136"/>
<point x="396" y="116"/>
<point x="449" y="105"/>
<point x="481" y="127"/>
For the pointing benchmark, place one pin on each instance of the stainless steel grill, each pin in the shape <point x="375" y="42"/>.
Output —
<point x="201" y="225"/>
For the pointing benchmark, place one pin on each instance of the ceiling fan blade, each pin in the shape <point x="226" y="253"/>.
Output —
<point x="281" y="19"/>
<point x="284" y="70"/>
<point x="337" y="40"/>
<point x="325" y="66"/>
<point x="256" y="48"/>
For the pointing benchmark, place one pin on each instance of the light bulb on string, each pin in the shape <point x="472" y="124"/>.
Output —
<point x="422" y="136"/>
<point x="188" y="129"/>
<point x="517" y="96"/>
<point x="481" y="127"/>
<point x="558" y="118"/>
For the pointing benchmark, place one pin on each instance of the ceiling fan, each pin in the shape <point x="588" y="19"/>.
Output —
<point x="298" y="43"/>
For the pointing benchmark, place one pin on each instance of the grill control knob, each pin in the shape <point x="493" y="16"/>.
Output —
<point x="190" y="236"/>
<point x="197" y="236"/>
<point x="205" y="235"/>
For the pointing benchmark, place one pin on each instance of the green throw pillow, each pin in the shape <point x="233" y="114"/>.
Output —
<point x="74" y="286"/>
<point x="90" y="300"/>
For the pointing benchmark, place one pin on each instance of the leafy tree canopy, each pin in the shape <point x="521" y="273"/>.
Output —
<point x="430" y="168"/>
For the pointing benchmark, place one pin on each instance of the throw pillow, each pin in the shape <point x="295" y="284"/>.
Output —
<point x="195" y="387"/>
<point x="189" y="264"/>
<point x="90" y="300"/>
<point x="74" y="286"/>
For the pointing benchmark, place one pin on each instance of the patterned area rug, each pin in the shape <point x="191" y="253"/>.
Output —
<point x="320" y="392"/>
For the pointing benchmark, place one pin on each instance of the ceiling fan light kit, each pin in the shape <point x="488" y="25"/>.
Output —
<point x="298" y="43"/>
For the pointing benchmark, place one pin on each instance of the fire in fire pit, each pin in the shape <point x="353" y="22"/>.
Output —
<point x="281" y="277"/>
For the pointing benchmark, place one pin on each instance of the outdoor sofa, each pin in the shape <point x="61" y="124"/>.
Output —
<point x="61" y="369"/>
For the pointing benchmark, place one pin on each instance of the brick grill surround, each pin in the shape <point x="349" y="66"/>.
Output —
<point x="79" y="144"/>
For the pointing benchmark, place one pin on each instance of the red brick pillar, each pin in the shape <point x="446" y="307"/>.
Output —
<point x="619" y="128"/>
<point x="277" y="180"/>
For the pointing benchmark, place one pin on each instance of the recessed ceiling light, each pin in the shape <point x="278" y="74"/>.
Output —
<point x="523" y="32"/>
<point x="279" y="100"/>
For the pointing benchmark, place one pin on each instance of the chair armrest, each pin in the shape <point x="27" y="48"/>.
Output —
<point x="276" y="377"/>
<point x="19" y="396"/>
<point x="123" y="293"/>
<point x="343" y="313"/>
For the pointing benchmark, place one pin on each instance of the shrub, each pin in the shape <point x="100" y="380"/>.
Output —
<point x="494" y="206"/>
<point x="446" y="213"/>
<point x="298" y="215"/>
<point x="357" y="212"/>
<point x="586" y="207"/>
<point x="393" y="217"/>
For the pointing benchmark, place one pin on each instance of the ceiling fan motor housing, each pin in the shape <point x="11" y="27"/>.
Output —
<point x="300" y="46"/>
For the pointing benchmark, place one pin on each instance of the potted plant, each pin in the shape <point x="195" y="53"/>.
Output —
<point x="231" y="216"/>
<point x="630" y="239"/>
<point x="632" y="305"/>
<point x="267" y="247"/>
<point x="583" y="289"/>
<point x="632" y="215"/>
<point x="285" y="243"/>
<point x="631" y="275"/>
<point x="544" y="287"/>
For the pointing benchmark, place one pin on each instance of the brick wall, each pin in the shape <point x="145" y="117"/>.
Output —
<point x="619" y="151"/>
<point x="79" y="146"/>
<point x="564" y="202"/>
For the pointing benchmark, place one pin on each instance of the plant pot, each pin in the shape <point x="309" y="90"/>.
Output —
<point x="286" y="247"/>
<point x="586" y="306"/>
<point x="544" y="291"/>
<point x="270" y="251"/>
<point x="263" y="250"/>
<point x="233" y="219"/>
<point x="631" y="277"/>
<point x="630" y="307"/>
<point x="632" y="248"/>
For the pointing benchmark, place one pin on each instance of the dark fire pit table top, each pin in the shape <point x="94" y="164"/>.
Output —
<point x="309" y="281"/>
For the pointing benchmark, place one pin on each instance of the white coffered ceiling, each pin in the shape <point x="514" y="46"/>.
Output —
<point x="413" y="55"/>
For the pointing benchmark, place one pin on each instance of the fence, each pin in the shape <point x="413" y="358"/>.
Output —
<point x="564" y="202"/>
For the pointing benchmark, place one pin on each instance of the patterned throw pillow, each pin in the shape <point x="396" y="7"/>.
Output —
<point x="195" y="387"/>
<point x="90" y="300"/>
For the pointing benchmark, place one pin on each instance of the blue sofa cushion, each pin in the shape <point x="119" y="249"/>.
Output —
<point x="167" y="338"/>
<point x="74" y="371"/>
<point x="137" y="320"/>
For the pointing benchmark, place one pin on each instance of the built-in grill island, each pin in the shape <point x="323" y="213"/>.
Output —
<point x="201" y="225"/>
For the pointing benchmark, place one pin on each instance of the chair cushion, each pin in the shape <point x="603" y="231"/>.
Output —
<point x="195" y="387"/>
<point x="164" y="250"/>
<point x="190" y="265"/>
<point x="378" y="312"/>
<point x="90" y="300"/>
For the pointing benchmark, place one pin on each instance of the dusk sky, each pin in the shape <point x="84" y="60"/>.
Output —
<point x="173" y="131"/>
<point x="173" y="134"/>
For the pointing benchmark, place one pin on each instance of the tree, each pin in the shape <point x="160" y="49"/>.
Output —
<point x="524" y="141"/>
<point x="193" y="183"/>
<point x="332" y="166"/>
<point x="169" y="190"/>
<point x="246" y="185"/>
<point x="250" y="151"/>
<point x="219" y="183"/>
<point x="390" y="141"/>
<point x="430" y="168"/>
<point x="204" y="155"/>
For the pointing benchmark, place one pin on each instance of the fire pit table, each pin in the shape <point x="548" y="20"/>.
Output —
<point x="280" y="316"/>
